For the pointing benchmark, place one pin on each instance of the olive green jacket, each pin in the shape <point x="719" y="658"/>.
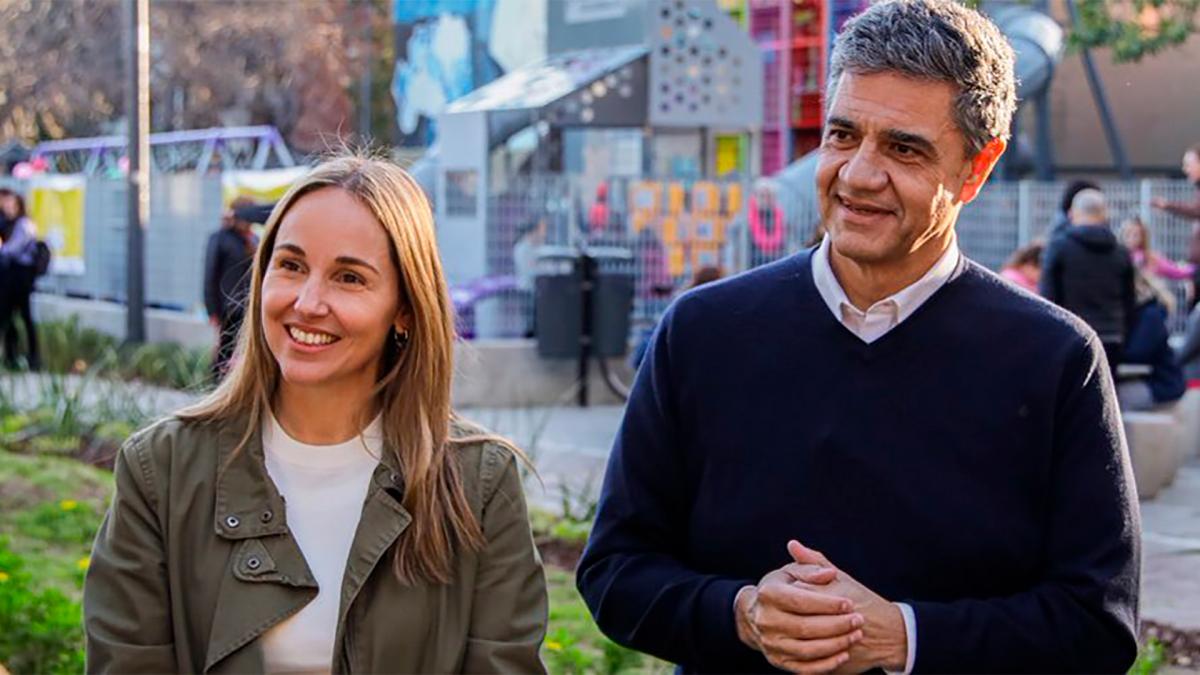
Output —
<point x="192" y="565"/>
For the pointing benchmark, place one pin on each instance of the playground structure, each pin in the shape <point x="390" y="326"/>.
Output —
<point x="196" y="150"/>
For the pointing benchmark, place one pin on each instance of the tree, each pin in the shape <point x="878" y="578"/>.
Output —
<point x="1134" y="28"/>
<point x="213" y="63"/>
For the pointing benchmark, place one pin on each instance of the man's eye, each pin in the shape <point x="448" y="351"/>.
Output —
<point x="905" y="150"/>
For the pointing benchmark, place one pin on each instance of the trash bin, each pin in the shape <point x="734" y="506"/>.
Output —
<point x="566" y="280"/>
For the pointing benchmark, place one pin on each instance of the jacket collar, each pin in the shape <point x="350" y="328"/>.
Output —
<point x="248" y="504"/>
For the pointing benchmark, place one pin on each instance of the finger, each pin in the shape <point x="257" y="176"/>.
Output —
<point x="805" y="555"/>
<point x="825" y="665"/>
<point x="811" y="574"/>
<point x="809" y="627"/>
<point x="802" y="601"/>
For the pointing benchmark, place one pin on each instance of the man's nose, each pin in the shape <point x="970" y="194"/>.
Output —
<point x="864" y="171"/>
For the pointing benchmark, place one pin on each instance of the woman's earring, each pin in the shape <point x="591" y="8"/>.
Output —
<point x="400" y="337"/>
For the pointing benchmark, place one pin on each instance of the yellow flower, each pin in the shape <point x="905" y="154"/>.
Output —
<point x="553" y="646"/>
<point x="83" y="562"/>
<point x="3" y="577"/>
<point x="68" y="505"/>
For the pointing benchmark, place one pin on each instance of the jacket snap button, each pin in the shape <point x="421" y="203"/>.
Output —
<point x="232" y="521"/>
<point x="267" y="516"/>
<point x="253" y="563"/>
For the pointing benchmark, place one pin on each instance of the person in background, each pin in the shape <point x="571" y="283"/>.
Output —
<point x="1062" y="219"/>
<point x="1024" y="266"/>
<point x="227" y="278"/>
<point x="1148" y="345"/>
<point x="598" y="213"/>
<point x="1086" y="271"/>
<point x="324" y="509"/>
<point x="704" y="275"/>
<point x="525" y="256"/>
<point x="1136" y="238"/>
<point x="1190" y="210"/>
<point x="1188" y="353"/>
<point x="19" y="272"/>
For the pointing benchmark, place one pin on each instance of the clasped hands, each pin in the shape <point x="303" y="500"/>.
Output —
<point x="810" y="617"/>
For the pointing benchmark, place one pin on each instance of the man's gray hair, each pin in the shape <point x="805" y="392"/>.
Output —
<point x="1090" y="205"/>
<point x="936" y="40"/>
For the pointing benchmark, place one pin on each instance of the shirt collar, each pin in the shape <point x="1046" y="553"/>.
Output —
<point x="906" y="301"/>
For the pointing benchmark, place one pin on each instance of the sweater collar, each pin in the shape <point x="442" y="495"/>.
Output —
<point x="903" y="303"/>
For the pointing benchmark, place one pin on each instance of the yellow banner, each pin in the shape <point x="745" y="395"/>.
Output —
<point x="264" y="187"/>
<point x="56" y="208"/>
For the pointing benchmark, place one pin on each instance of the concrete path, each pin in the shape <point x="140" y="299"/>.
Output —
<point x="1171" y="552"/>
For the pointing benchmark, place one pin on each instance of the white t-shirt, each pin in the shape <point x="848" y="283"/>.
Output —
<point x="324" y="487"/>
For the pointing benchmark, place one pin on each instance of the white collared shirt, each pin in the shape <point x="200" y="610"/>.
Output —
<point x="889" y="312"/>
<point x="873" y="324"/>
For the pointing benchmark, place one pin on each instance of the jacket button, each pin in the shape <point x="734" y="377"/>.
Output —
<point x="253" y="563"/>
<point x="232" y="521"/>
<point x="395" y="477"/>
<point x="267" y="516"/>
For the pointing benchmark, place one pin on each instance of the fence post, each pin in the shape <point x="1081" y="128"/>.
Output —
<point x="1146" y="193"/>
<point x="1024" y="212"/>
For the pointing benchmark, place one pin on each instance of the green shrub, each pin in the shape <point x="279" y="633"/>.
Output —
<point x="65" y="522"/>
<point x="40" y="628"/>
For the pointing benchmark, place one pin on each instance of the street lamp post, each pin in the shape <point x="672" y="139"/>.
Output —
<point x="137" y="107"/>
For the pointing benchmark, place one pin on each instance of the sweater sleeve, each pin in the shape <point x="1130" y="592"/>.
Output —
<point x="1184" y="209"/>
<point x="1169" y="269"/>
<point x="1080" y="616"/>
<point x="633" y="575"/>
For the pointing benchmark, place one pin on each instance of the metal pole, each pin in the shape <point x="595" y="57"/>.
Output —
<point x="1106" y="119"/>
<point x="137" y="109"/>
<point x="1044" y="156"/>
<point x="364" y="84"/>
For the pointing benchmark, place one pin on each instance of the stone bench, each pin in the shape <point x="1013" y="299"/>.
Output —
<point x="1153" y="439"/>
<point x="1188" y="414"/>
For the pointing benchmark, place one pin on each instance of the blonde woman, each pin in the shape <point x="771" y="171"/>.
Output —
<point x="323" y="510"/>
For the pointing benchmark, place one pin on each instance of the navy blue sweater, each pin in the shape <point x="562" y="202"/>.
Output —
<point x="970" y="462"/>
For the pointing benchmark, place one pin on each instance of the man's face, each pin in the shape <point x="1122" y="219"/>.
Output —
<point x="1191" y="166"/>
<point x="892" y="167"/>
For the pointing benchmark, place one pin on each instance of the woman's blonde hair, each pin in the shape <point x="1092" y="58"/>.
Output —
<point x="1136" y="223"/>
<point x="413" y="388"/>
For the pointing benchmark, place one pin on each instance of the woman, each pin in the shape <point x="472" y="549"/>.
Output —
<point x="323" y="509"/>
<point x="1024" y="267"/>
<point x="18" y="272"/>
<point x="1136" y="238"/>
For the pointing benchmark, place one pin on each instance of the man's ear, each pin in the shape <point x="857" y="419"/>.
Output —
<point x="981" y="168"/>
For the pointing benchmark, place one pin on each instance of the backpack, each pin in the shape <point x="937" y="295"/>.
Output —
<point x="41" y="258"/>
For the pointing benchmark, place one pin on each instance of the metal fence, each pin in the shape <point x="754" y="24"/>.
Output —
<point x="675" y="228"/>
<point x="672" y="228"/>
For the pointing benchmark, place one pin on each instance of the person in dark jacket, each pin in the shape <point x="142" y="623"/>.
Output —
<point x="18" y="272"/>
<point x="1148" y="345"/>
<point x="1062" y="219"/>
<point x="1086" y="271"/>
<point x="950" y="444"/>
<point x="227" y="278"/>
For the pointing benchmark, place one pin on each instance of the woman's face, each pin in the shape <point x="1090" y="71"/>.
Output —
<point x="1134" y="237"/>
<point x="330" y="294"/>
<point x="8" y="204"/>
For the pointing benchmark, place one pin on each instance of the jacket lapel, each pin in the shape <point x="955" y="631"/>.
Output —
<point x="267" y="579"/>
<point x="383" y="520"/>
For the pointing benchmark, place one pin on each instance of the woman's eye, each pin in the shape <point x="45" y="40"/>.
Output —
<point x="289" y="265"/>
<point x="350" y="278"/>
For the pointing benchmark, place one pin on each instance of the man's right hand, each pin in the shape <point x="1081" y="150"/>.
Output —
<point x="1158" y="202"/>
<point x="798" y="630"/>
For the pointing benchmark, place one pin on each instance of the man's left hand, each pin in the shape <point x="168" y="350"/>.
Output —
<point x="885" y="640"/>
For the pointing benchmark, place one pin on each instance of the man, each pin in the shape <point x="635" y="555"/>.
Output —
<point x="1087" y="271"/>
<point x="227" y="266"/>
<point x="1191" y="171"/>
<point x="950" y="444"/>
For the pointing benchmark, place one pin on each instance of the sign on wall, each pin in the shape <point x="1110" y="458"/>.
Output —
<point x="56" y="207"/>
